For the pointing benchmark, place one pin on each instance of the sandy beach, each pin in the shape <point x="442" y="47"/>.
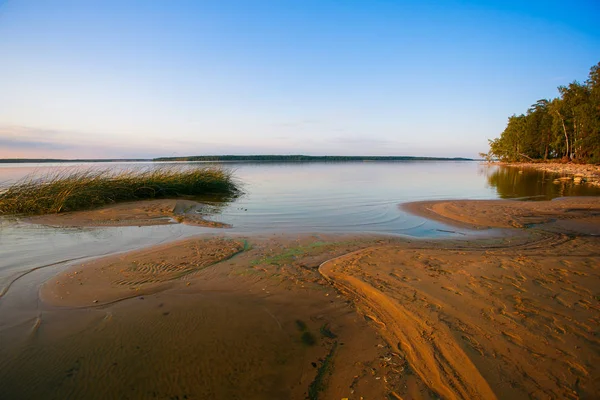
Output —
<point x="511" y="312"/>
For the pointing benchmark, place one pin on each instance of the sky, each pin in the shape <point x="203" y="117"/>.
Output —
<point x="142" y="79"/>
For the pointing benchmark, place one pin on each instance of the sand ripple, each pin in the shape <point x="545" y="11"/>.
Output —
<point x="132" y="274"/>
<point x="512" y="322"/>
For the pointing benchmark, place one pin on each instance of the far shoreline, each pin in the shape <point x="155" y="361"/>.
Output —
<point x="238" y="158"/>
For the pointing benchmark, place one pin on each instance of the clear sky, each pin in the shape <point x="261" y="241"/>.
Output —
<point x="87" y="78"/>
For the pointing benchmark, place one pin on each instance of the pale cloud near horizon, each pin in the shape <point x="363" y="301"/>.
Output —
<point x="365" y="140"/>
<point x="32" y="142"/>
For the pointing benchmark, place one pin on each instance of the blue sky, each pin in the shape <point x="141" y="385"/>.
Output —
<point x="172" y="78"/>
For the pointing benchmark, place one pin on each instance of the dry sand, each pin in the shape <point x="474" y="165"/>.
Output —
<point x="331" y="316"/>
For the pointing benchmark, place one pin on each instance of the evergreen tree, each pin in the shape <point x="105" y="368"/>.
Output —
<point x="565" y="128"/>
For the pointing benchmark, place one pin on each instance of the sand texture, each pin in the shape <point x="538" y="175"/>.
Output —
<point x="261" y="324"/>
<point x="138" y="213"/>
<point x="114" y="278"/>
<point x="512" y="322"/>
<point x="316" y="316"/>
<point x="482" y="214"/>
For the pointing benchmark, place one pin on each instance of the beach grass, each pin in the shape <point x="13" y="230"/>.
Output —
<point x="75" y="190"/>
<point x="319" y="384"/>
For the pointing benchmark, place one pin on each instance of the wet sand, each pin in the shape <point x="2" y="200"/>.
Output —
<point x="506" y="322"/>
<point x="329" y="316"/>
<point x="114" y="278"/>
<point x="260" y="324"/>
<point x="139" y="213"/>
<point x="578" y="213"/>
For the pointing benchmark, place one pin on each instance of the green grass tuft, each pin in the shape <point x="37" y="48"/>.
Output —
<point x="308" y="338"/>
<point x="326" y="332"/>
<point x="320" y="382"/>
<point x="301" y="325"/>
<point x="87" y="189"/>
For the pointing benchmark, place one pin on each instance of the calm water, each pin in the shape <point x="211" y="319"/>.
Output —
<point x="282" y="197"/>
<point x="360" y="197"/>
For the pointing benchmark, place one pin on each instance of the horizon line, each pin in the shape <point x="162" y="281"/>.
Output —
<point x="231" y="157"/>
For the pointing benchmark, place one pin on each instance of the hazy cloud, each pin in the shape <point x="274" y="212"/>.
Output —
<point x="32" y="144"/>
<point x="28" y="142"/>
<point x="361" y="140"/>
<point x="298" y="124"/>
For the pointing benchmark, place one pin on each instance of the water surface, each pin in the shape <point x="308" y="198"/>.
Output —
<point x="359" y="197"/>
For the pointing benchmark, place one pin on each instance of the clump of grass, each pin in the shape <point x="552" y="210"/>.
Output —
<point x="326" y="332"/>
<point x="87" y="189"/>
<point x="320" y="382"/>
<point x="308" y="338"/>
<point x="301" y="325"/>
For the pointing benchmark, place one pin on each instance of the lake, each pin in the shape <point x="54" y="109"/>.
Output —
<point x="348" y="196"/>
<point x="359" y="197"/>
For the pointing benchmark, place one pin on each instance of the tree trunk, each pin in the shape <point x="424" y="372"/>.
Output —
<point x="527" y="157"/>
<point x="547" y="144"/>
<point x="566" y="135"/>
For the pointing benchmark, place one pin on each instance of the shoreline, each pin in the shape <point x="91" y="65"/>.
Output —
<point x="134" y="213"/>
<point x="587" y="173"/>
<point x="333" y="315"/>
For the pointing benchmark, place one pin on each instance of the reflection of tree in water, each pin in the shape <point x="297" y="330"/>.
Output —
<point x="536" y="185"/>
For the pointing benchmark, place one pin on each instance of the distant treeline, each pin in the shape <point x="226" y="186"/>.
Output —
<point x="306" y="158"/>
<point x="57" y="160"/>
<point x="565" y="128"/>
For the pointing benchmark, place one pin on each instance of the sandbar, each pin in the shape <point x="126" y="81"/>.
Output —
<point x="138" y="213"/>
<point x="485" y="214"/>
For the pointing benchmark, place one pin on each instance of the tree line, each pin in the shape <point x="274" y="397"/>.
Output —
<point x="566" y="128"/>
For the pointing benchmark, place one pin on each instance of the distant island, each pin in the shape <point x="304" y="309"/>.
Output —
<point x="59" y="160"/>
<point x="307" y="158"/>
<point x="214" y="158"/>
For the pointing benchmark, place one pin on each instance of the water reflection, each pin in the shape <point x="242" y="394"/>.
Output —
<point x="285" y="197"/>
<point x="530" y="184"/>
